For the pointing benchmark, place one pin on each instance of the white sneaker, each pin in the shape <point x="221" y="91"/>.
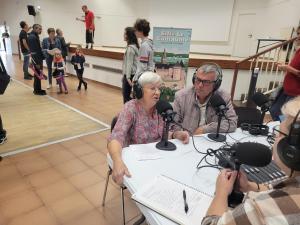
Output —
<point x="49" y="86"/>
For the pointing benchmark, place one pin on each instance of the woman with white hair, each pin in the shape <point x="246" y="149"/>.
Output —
<point x="138" y="123"/>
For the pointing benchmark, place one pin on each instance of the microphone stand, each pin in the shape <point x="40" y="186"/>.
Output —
<point x="164" y="144"/>
<point x="216" y="136"/>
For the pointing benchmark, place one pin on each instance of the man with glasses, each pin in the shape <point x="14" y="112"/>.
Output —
<point x="192" y="104"/>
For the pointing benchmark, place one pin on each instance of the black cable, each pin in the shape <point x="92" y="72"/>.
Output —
<point x="191" y="134"/>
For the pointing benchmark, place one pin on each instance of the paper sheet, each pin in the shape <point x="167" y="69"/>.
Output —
<point x="165" y="196"/>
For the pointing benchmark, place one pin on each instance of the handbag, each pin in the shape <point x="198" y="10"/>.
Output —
<point x="4" y="78"/>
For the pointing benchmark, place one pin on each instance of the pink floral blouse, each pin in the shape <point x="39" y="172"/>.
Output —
<point x="135" y="126"/>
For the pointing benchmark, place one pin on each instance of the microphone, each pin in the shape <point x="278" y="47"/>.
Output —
<point x="219" y="105"/>
<point x="263" y="102"/>
<point x="247" y="153"/>
<point x="165" y="109"/>
<point x="252" y="154"/>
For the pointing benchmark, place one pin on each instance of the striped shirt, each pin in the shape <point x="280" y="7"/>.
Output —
<point x="279" y="206"/>
<point x="146" y="60"/>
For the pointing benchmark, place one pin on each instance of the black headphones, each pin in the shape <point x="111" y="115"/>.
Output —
<point x="288" y="148"/>
<point x="137" y="90"/>
<point x="219" y="74"/>
<point x="255" y="129"/>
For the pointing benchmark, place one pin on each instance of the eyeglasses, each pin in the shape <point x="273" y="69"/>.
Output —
<point x="204" y="82"/>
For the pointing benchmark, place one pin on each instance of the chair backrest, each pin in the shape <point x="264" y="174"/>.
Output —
<point x="247" y="115"/>
<point x="113" y="123"/>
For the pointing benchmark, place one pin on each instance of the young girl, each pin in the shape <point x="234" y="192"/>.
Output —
<point x="78" y="60"/>
<point x="129" y="62"/>
<point x="59" y="70"/>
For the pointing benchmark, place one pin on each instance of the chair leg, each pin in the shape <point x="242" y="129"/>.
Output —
<point x="140" y="220"/>
<point x="123" y="203"/>
<point x="109" y="172"/>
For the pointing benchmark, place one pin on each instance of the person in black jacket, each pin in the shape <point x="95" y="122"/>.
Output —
<point x="78" y="60"/>
<point x="64" y="46"/>
<point x="37" y="56"/>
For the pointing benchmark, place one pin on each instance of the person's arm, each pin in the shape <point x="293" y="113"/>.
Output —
<point x="58" y="43"/>
<point x="289" y="69"/>
<point x="117" y="140"/>
<point x="25" y="44"/>
<point x="93" y="22"/>
<point x="73" y="60"/>
<point x="183" y="136"/>
<point x="79" y="19"/>
<point x="63" y="42"/>
<point x="119" y="167"/>
<point x="178" y="106"/>
<point x="129" y="63"/>
<point x="45" y="47"/>
<point x="224" y="187"/>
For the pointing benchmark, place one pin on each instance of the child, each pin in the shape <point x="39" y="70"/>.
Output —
<point x="59" y="70"/>
<point x="77" y="60"/>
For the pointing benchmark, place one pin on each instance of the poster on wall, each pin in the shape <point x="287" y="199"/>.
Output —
<point x="171" y="58"/>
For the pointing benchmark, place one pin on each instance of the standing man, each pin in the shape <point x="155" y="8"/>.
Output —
<point x="89" y="26"/>
<point x="37" y="56"/>
<point x="23" y="39"/>
<point x="64" y="46"/>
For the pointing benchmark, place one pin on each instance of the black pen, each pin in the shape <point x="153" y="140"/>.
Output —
<point x="186" y="207"/>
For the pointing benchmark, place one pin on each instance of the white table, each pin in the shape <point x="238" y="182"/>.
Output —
<point x="179" y="165"/>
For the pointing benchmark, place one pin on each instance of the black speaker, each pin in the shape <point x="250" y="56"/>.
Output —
<point x="31" y="10"/>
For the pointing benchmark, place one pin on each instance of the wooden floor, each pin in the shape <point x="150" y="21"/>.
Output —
<point x="37" y="120"/>
<point x="62" y="184"/>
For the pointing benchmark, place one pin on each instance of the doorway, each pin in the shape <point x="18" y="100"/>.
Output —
<point x="244" y="38"/>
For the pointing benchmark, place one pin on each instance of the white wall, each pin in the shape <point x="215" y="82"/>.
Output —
<point x="200" y="15"/>
<point x="272" y="18"/>
<point x="115" y="16"/>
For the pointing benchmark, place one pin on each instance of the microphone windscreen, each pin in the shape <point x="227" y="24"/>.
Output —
<point x="259" y="99"/>
<point x="253" y="154"/>
<point x="216" y="101"/>
<point x="163" y="106"/>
